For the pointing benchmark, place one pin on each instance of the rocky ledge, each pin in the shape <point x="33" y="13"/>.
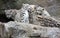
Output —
<point x="15" y="29"/>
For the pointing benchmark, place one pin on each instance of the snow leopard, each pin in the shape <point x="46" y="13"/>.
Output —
<point x="42" y="11"/>
<point x="20" y="15"/>
<point x="27" y="13"/>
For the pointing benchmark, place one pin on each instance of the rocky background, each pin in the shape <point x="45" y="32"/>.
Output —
<point x="52" y="6"/>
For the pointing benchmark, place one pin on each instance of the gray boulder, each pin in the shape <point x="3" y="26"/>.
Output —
<point x="17" y="30"/>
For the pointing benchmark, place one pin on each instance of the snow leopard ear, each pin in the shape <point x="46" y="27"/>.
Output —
<point x="6" y="11"/>
<point x="25" y="5"/>
<point x="13" y="13"/>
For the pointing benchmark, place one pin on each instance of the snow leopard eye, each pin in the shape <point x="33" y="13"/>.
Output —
<point x="40" y="14"/>
<point x="42" y="9"/>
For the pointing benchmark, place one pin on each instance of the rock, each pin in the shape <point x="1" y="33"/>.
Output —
<point x="17" y="30"/>
<point x="2" y="31"/>
<point x="16" y="4"/>
<point x="25" y="28"/>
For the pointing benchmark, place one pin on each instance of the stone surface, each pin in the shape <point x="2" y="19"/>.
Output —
<point x="2" y="31"/>
<point x="23" y="30"/>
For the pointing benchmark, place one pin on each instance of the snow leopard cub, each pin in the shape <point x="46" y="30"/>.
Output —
<point x="20" y="15"/>
<point x="10" y="13"/>
<point x="24" y="15"/>
<point x="41" y="11"/>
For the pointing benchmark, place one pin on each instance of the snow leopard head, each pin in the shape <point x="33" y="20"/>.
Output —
<point x="10" y="13"/>
<point x="42" y="11"/>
